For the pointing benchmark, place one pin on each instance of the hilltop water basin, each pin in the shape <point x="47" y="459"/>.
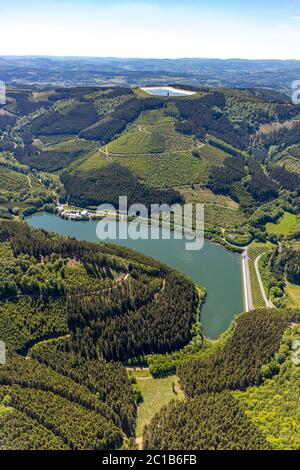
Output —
<point x="167" y="91"/>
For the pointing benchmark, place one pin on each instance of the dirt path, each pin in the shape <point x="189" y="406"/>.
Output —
<point x="106" y="154"/>
<point x="139" y="442"/>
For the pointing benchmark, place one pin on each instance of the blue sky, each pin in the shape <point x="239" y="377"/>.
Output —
<point x="254" y="29"/>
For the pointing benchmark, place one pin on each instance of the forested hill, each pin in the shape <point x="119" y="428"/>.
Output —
<point x="67" y="308"/>
<point x="234" y="150"/>
<point x="103" y="142"/>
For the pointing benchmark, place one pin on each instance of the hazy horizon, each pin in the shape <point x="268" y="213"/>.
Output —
<point x="83" y="57"/>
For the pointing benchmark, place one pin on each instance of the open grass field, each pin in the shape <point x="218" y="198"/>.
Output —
<point x="255" y="250"/>
<point x="156" y="393"/>
<point x="293" y="291"/>
<point x="284" y="226"/>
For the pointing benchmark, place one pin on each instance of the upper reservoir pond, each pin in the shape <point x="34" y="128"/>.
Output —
<point x="214" y="268"/>
<point x="167" y="91"/>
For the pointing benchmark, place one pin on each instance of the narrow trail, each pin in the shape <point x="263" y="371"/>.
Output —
<point x="244" y="247"/>
<point x="109" y="155"/>
<point x="67" y="295"/>
<point x="268" y="302"/>
<point x="106" y="154"/>
<point x="141" y="129"/>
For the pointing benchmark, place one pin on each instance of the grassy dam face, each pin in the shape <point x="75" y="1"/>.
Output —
<point x="217" y="270"/>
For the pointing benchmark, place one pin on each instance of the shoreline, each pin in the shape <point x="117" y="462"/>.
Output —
<point x="238" y="260"/>
<point x="236" y="249"/>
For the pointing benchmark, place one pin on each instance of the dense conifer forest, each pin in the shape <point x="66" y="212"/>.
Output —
<point x="68" y="309"/>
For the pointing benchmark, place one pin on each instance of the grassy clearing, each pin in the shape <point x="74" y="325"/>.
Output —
<point x="293" y="291"/>
<point x="285" y="225"/>
<point x="156" y="393"/>
<point x="275" y="126"/>
<point x="255" y="250"/>
<point x="220" y="211"/>
<point x="213" y="155"/>
<point x="138" y="165"/>
<point x="138" y="373"/>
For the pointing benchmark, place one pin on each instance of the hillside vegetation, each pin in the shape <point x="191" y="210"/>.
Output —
<point x="69" y="311"/>
<point x="243" y="397"/>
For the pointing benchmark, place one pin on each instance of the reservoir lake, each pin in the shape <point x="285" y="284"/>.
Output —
<point x="217" y="270"/>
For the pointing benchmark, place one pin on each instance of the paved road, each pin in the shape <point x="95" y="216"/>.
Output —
<point x="247" y="283"/>
<point x="261" y="285"/>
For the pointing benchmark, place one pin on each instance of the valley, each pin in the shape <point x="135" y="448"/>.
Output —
<point x="101" y="337"/>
